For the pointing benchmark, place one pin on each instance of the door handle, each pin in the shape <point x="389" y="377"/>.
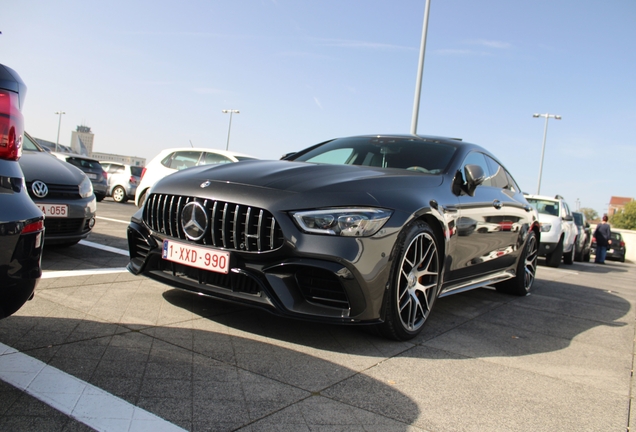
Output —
<point x="497" y="204"/>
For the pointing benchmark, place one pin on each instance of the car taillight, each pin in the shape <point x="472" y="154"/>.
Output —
<point x="133" y="180"/>
<point x="622" y="243"/>
<point x="143" y="171"/>
<point x="105" y="174"/>
<point x="33" y="227"/>
<point x="11" y="126"/>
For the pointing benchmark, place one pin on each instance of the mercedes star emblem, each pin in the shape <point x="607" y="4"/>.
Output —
<point x="39" y="189"/>
<point x="194" y="220"/>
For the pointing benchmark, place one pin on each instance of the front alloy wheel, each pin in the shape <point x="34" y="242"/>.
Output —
<point x="416" y="279"/>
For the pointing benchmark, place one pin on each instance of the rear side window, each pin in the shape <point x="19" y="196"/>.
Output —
<point x="181" y="159"/>
<point x="84" y="163"/>
<point x="213" y="158"/>
<point x="136" y="171"/>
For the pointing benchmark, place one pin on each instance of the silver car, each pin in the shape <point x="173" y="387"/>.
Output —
<point x="122" y="180"/>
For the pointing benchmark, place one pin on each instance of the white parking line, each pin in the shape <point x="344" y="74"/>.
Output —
<point x="112" y="220"/>
<point x="103" y="247"/>
<point x="89" y="272"/>
<point x="76" y="398"/>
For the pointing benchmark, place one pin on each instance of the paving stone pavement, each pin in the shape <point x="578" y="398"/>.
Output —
<point x="558" y="359"/>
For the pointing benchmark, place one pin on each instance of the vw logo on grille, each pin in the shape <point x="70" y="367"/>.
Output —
<point x="39" y="189"/>
<point x="194" y="220"/>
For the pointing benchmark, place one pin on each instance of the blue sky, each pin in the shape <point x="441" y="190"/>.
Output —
<point x="150" y="75"/>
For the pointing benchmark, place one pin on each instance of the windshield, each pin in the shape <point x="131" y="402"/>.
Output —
<point x="545" y="206"/>
<point x="29" y="145"/>
<point x="578" y="218"/>
<point x="384" y="152"/>
<point x="136" y="170"/>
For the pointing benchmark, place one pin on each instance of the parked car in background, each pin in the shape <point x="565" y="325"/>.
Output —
<point x="584" y="237"/>
<point x="359" y="230"/>
<point x="616" y="250"/>
<point x="123" y="180"/>
<point x="558" y="231"/>
<point x="91" y="167"/>
<point x="172" y="160"/>
<point x="21" y="221"/>
<point x="62" y="191"/>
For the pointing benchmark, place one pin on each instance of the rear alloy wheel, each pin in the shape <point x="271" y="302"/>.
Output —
<point x="119" y="194"/>
<point x="522" y="283"/>
<point x="416" y="279"/>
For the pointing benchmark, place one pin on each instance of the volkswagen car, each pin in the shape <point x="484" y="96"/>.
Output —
<point x="357" y="230"/>
<point x="62" y="192"/>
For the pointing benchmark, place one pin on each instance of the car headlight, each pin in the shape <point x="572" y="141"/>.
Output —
<point x="346" y="222"/>
<point x="85" y="188"/>
<point x="546" y="227"/>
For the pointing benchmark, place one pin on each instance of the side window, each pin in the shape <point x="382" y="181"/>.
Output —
<point x="565" y="210"/>
<point x="185" y="159"/>
<point x="476" y="158"/>
<point x="500" y="178"/>
<point x="213" y="158"/>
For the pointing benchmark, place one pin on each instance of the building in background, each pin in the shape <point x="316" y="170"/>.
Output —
<point x="82" y="143"/>
<point x="617" y="204"/>
<point x="127" y="160"/>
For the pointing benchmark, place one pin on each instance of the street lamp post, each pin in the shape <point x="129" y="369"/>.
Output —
<point x="420" y="70"/>
<point x="59" y="123"/>
<point x="545" y="133"/>
<point x="231" y="111"/>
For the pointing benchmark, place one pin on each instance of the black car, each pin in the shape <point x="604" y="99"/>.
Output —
<point x="616" y="249"/>
<point x="583" y="243"/>
<point x="21" y="222"/>
<point x="91" y="167"/>
<point x="362" y="230"/>
<point x="63" y="193"/>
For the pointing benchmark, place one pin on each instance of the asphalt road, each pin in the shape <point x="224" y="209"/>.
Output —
<point x="100" y="349"/>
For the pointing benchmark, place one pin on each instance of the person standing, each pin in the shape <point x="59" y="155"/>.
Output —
<point x="602" y="234"/>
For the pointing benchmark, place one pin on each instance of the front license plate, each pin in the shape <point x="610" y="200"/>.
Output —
<point x="196" y="256"/>
<point x="54" y="210"/>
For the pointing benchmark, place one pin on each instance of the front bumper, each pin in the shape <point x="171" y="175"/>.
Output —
<point x="78" y="225"/>
<point x="299" y="280"/>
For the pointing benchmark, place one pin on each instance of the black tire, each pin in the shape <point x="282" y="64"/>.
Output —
<point x="579" y="255"/>
<point x="415" y="281"/>
<point x="522" y="283"/>
<point x="586" y="257"/>
<point x="554" y="259"/>
<point x="569" y="257"/>
<point x="99" y="197"/>
<point x="119" y="194"/>
<point x="142" y="199"/>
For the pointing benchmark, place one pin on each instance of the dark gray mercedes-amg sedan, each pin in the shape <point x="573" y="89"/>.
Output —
<point x="361" y="230"/>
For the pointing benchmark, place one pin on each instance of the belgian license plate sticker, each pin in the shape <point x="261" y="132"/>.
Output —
<point x="196" y="256"/>
<point x="54" y="210"/>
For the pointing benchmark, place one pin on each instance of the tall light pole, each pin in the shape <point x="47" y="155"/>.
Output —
<point x="231" y="111"/>
<point x="545" y="133"/>
<point x="420" y="71"/>
<point x="59" y="123"/>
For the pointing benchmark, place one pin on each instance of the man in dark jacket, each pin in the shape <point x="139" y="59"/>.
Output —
<point x="602" y="234"/>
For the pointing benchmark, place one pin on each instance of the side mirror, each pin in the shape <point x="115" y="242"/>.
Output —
<point x="474" y="177"/>
<point x="287" y="155"/>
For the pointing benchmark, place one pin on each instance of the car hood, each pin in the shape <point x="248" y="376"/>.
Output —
<point x="284" y="181"/>
<point x="44" y="167"/>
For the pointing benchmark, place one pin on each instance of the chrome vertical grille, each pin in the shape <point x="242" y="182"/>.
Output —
<point x="230" y="226"/>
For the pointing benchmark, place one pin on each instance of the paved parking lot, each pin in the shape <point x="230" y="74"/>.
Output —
<point x="101" y="349"/>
